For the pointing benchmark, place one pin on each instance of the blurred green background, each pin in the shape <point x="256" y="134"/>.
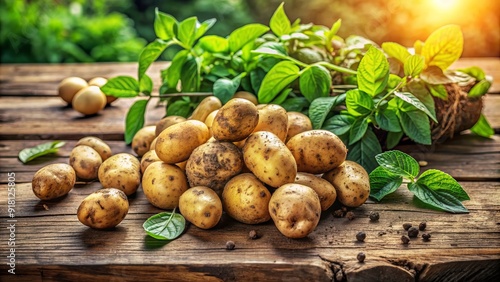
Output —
<point x="55" y="31"/>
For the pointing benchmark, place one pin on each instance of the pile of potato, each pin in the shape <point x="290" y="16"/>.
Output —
<point x="85" y="97"/>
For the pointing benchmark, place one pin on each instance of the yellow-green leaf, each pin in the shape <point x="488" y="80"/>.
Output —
<point x="396" y="51"/>
<point x="443" y="47"/>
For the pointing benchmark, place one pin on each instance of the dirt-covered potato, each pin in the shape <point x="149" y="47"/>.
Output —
<point x="166" y="122"/>
<point x="297" y="123"/>
<point x="210" y="119"/>
<point x="53" y="181"/>
<point x="201" y="206"/>
<point x="317" y="151"/>
<point x="176" y="143"/>
<point x="163" y="185"/>
<point x="273" y="118"/>
<point x="205" y="107"/>
<point x="105" y="208"/>
<point x="147" y="159"/>
<point x="352" y="183"/>
<point x="246" y="95"/>
<point x="97" y="144"/>
<point x="268" y="158"/>
<point x="325" y="190"/>
<point x="295" y="210"/>
<point x="213" y="164"/>
<point x="142" y="140"/>
<point x="100" y="81"/>
<point x="121" y="171"/>
<point x="69" y="86"/>
<point x="90" y="100"/>
<point x="246" y="199"/>
<point x="85" y="161"/>
<point x="235" y="120"/>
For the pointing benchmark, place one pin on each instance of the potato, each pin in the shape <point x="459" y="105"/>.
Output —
<point x="176" y="143"/>
<point x="85" y="161"/>
<point x="269" y="159"/>
<point x="273" y="118"/>
<point x="205" y="107"/>
<point x="352" y="183"/>
<point x="317" y="151"/>
<point x="147" y="159"/>
<point x="69" y="86"/>
<point x="121" y="171"/>
<point x="295" y="210"/>
<point x="100" y="81"/>
<point x="235" y="120"/>
<point x="90" y="100"/>
<point x="210" y="119"/>
<point x="166" y="122"/>
<point x="246" y="199"/>
<point x="325" y="190"/>
<point x="142" y="140"/>
<point x="53" y="181"/>
<point x="201" y="206"/>
<point x="153" y="144"/>
<point x="297" y="123"/>
<point x="163" y="185"/>
<point x="213" y="164"/>
<point x="97" y="144"/>
<point x="105" y="208"/>
<point x="246" y="95"/>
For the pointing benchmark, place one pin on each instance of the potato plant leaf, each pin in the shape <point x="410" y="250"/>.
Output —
<point x="414" y="101"/>
<point x="440" y="200"/>
<point x="358" y="103"/>
<point x="241" y="36"/>
<point x="321" y="107"/>
<point x="479" y="89"/>
<point x="414" y="65"/>
<point x="339" y="124"/>
<point x="438" y="90"/>
<point x="365" y="150"/>
<point x="315" y="82"/>
<point x="482" y="127"/>
<point x="396" y="51"/>
<point x="398" y="163"/>
<point x="225" y="88"/>
<point x="146" y="85"/>
<point x="186" y="32"/>
<point x="135" y="119"/>
<point x="164" y="25"/>
<point x="358" y="129"/>
<point x="214" y="44"/>
<point x="279" y="77"/>
<point x="443" y="47"/>
<point x="121" y="86"/>
<point x="383" y="183"/>
<point x="28" y="154"/>
<point x="165" y="225"/>
<point x="279" y="23"/>
<point x="373" y="72"/>
<point x="388" y="120"/>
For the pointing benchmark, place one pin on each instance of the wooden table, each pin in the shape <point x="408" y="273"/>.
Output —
<point x="52" y="245"/>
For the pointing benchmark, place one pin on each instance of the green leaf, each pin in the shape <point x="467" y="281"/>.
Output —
<point x="414" y="65"/>
<point x="438" y="199"/>
<point x="256" y="77"/>
<point x="393" y="139"/>
<point x="387" y="120"/>
<point x="173" y="73"/>
<point x="320" y="107"/>
<point x="416" y="125"/>
<point x="443" y="47"/>
<point x="339" y="124"/>
<point x="359" y="103"/>
<point x="150" y="53"/>
<point x="373" y="72"/>
<point x="420" y="91"/>
<point x="190" y="75"/>
<point x="247" y="33"/>
<point x="358" y="130"/>
<point x="28" y="154"/>
<point x="396" y="51"/>
<point x="482" y="128"/>
<point x="414" y="101"/>
<point x="146" y="85"/>
<point x="383" y="183"/>
<point x="187" y="31"/>
<point x="399" y="163"/>
<point x="272" y="48"/>
<point x="121" y="86"/>
<point x="315" y="82"/>
<point x="165" y="225"/>
<point x="438" y="90"/>
<point x="394" y="81"/>
<point x="438" y="180"/>
<point x="214" y="44"/>
<point x="295" y="104"/>
<point x="279" y="23"/>
<point x="282" y="96"/>
<point x="475" y="72"/>
<point x="435" y="75"/>
<point x="164" y="25"/>
<point x="479" y="89"/>
<point x="279" y="77"/>
<point x="134" y="120"/>
<point x="179" y="108"/>
<point x="365" y="150"/>
<point x="224" y="88"/>
<point x="202" y="28"/>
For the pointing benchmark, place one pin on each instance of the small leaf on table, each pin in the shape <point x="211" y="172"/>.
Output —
<point x="28" y="154"/>
<point x="165" y="225"/>
<point x="383" y="183"/>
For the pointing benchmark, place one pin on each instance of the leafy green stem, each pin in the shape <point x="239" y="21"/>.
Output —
<point x="388" y="94"/>
<point x="337" y="68"/>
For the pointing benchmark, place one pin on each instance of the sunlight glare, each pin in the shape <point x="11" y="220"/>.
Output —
<point x="444" y="4"/>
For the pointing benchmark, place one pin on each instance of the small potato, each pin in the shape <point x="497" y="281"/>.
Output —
<point x="210" y="119"/>
<point x="325" y="190"/>
<point x="213" y="164"/>
<point x="153" y="144"/>
<point x="269" y="159"/>
<point x="235" y="120"/>
<point x="100" y="81"/>
<point x="273" y="118"/>
<point x="201" y="206"/>
<point x="317" y="151"/>
<point x="103" y="209"/>
<point x="69" y="86"/>
<point x="97" y="144"/>
<point x="295" y="210"/>
<point x="246" y="95"/>
<point x="148" y="158"/>
<point x="297" y="123"/>
<point x="205" y="107"/>
<point x="53" y="181"/>
<point x="176" y="143"/>
<point x="166" y="122"/>
<point x="90" y="100"/>
<point x="246" y="199"/>
<point x="142" y="140"/>
<point x="352" y="183"/>
<point x="85" y="161"/>
<point x="121" y="171"/>
<point x="163" y="185"/>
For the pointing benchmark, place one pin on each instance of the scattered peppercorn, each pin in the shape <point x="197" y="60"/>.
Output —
<point x="374" y="216"/>
<point x="422" y="226"/>
<point x="350" y="215"/>
<point x="253" y="234"/>
<point x="361" y="257"/>
<point x="338" y="213"/>
<point x="360" y="236"/>
<point x="413" y="232"/>
<point x="406" y="226"/>
<point x="426" y="237"/>
<point x="405" y="239"/>
<point x="230" y="245"/>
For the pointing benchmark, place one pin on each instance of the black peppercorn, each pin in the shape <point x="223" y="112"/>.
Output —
<point x="426" y="237"/>
<point x="350" y="215"/>
<point x="374" y="216"/>
<point x="422" y="226"/>
<point x="405" y="239"/>
<point x="230" y="245"/>
<point x="413" y="232"/>
<point x="253" y="234"/>
<point x="360" y="236"/>
<point x="406" y="226"/>
<point x="361" y="257"/>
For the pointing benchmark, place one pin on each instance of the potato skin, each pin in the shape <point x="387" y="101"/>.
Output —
<point x="246" y="95"/>
<point x="90" y="100"/>
<point x="213" y="164"/>
<point x="352" y="183"/>
<point x="235" y="120"/>
<point x="53" y="181"/>
<point x="97" y="144"/>
<point x="176" y="143"/>
<point x="267" y="157"/>
<point x="325" y="190"/>
<point x="205" y="107"/>
<point x="273" y="118"/>
<point x="246" y="199"/>
<point x="100" y="81"/>
<point x="142" y="140"/>
<point x="163" y="185"/>
<point x="69" y="86"/>
<point x="103" y="209"/>
<point x="85" y="161"/>
<point x="317" y="151"/>
<point x="201" y="206"/>
<point x="210" y="120"/>
<point x="148" y="158"/>
<point x="166" y="122"/>
<point x="297" y="123"/>
<point x="295" y="210"/>
<point x="121" y="171"/>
